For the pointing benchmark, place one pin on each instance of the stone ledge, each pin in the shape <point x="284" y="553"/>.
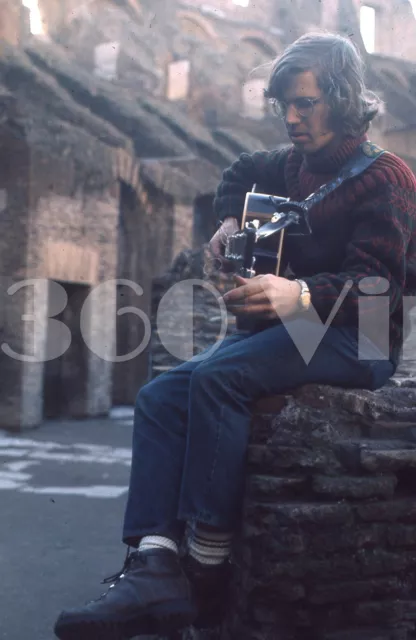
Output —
<point x="395" y="402"/>
<point x="327" y="548"/>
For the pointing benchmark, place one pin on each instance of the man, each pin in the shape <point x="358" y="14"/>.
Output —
<point x="192" y="424"/>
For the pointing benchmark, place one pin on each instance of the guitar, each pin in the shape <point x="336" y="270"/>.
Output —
<point x="265" y="217"/>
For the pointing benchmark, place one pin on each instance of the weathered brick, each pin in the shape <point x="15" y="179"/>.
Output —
<point x="276" y="540"/>
<point x="267" y="486"/>
<point x="282" y="591"/>
<point x="386" y="460"/>
<point x="350" y="537"/>
<point x="388" y="511"/>
<point x="297" y="512"/>
<point x="400" y="535"/>
<point x="269" y="572"/>
<point x="353" y="487"/>
<point x="268" y="460"/>
<point x="379" y="612"/>
<point x="379" y="561"/>
<point x="364" y="633"/>
<point x="336" y="592"/>
<point x="409" y="609"/>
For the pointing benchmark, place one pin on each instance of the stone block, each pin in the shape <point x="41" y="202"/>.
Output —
<point x="294" y="459"/>
<point x="266" y="487"/>
<point x="409" y="609"/>
<point x="353" y="590"/>
<point x="387" y="461"/>
<point x="358" y="488"/>
<point x="297" y="513"/>
<point x="364" y="633"/>
<point x="399" y="535"/>
<point x="279" y="540"/>
<point x="378" y="561"/>
<point x="379" y="612"/>
<point x="402" y="509"/>
<point x="351" y="537"/>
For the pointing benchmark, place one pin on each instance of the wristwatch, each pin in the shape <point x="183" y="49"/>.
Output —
<point x="304" y="301"/>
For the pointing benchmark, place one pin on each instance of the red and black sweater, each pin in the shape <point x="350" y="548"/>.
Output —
<point x="365" y="228"/>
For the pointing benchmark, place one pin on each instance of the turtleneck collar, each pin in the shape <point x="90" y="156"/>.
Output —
<point x="332" y="158"/>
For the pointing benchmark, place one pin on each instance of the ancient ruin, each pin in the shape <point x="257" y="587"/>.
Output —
<point x="118" y="119"/>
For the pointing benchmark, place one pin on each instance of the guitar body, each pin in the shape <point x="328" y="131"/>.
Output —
<point x="260" y="207"/>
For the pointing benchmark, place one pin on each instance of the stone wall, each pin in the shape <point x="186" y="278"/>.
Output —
<point x="148" y="231"/>
<point x="54" y="230"/>
<point x="14" y="177"/>
<point x="328" y="543"/>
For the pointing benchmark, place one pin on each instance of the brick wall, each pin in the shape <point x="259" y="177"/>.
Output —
<point x="51" y="232"/>
<point x="14" y="180"/>
<point x="74" y="239"/>
<point x="328" y="543"/>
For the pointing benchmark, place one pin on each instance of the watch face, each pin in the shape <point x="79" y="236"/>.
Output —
<point x="306" y="300"/>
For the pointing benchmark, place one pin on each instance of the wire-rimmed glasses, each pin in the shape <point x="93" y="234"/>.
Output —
<point x="304" y="107"/>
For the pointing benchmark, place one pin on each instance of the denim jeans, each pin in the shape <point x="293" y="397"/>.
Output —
<point x="192" y="423"/>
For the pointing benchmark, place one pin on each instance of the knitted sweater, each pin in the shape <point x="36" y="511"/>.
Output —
<point x="364" y="229"/>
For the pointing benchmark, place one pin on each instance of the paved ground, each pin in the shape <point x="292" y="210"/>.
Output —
<point x="62" y="496"/>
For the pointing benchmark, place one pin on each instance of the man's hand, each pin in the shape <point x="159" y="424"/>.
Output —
<point x="265" y="297"/>
<point x="217" y="244"/>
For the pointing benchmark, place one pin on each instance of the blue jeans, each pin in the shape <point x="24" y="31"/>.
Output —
<point x="192" y="423"/>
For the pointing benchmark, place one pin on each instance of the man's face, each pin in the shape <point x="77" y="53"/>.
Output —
<point x="306" y="114"/>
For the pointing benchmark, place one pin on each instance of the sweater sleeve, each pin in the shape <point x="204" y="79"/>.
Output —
<point x="378" y="251"/>
<point x="262" y="167"/>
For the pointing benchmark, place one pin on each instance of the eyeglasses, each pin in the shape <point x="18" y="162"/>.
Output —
<point x="304" y="107"/>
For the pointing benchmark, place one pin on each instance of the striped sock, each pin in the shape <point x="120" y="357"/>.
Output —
<point x="210" y="547"/>
<point x="157" y="542"/>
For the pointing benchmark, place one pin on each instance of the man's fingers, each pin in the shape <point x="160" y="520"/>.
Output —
<point x="260" y="311"/>
<point x="245" y="291"/>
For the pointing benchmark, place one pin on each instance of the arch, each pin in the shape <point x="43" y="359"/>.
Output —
<point x="255" y="52"/>
<point x="196" y="25"/>
<point x="264" y="43"/>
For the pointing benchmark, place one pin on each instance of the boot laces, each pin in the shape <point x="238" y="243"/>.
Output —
<point x="115" y="579"/>
<point x="128" y="561"/>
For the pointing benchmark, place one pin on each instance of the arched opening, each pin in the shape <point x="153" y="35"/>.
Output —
<point x="191" y="26"/>
<point x="65" y="378"/>
<point x="196" y="26"/>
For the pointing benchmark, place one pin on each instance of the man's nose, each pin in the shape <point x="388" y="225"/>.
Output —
<point x="292" y="116"/>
